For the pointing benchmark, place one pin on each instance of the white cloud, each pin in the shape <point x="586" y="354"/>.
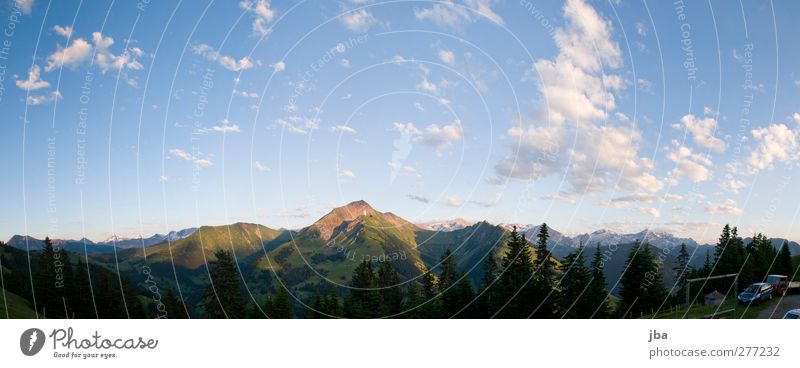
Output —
<point x="179" y="153"/>
<point x="34" y="80"/>
<point x="63" y="31"/>
<point x="448" y="57"/>
<point x="358" y="20"/>
<point x="35" y="100"/>
<point x="25" y="6"/>
<point x="225" y="61"/>
<point x="641" y="29"/>
<point x="261" y="167"/>
<point x="346" y="173"/>
<point x="106" y="60"/>
<point x="163" y="178"/>
<point x="289" y="126"/>
<point x="702" y="131"/>
<point x="455" y="14"/>
<point x="419" y="106"/>
<point x="796" y="118"/>
<point x="650" y="211"/>
<point x="444" y="136"/>
<point x="344" y="63"/>
<point x="226" y="128"/>
<point x="627" y="200"/>
<point x="245" y="94"/>
<point x="774" y="144"/>
<point x="427" y="86"/>
<point x="278" y="67"/>
<point x="343" y="129"/>
<point x="203" y="163"/>
<point x="645" y="85"/>
<point x="264" y="14"/>
<point x="454" y="201"/>
<point x="734" y="186"/>
<point x="695" y="166"/>
<point x="727" y="206"/>
<point x="71" y="56"/>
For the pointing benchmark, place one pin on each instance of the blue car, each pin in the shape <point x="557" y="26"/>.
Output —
<point x="756" y="293"/>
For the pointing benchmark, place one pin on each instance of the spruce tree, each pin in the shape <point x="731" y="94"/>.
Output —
<point x="222" y="298"/>
<point x="487" y="302"/>
<point x="642" y="289"/>
<point x="66" y="287"/>
<point x="682" y="270"/>
<point x="366" y="300"/>
<point x="83" y="301"/>
<point x="133" y="304"/>
<point x="544" y="272"/>
<point x="413" y="301"/>
<point x="596" y="295"/>
<point x="281" y="305"/>
<point x="515" y="279"/>
<point x="389" y="285"/>
<point x="173" y="305"/>
<point x="448" y="277"/>
<point x="431" y="306"/>
<point x="47" y="297"/>
<point x="783" y="265"/>
<point x="574" y="283"/>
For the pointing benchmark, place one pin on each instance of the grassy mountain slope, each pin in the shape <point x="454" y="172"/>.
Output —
<point x="14" y="306"/>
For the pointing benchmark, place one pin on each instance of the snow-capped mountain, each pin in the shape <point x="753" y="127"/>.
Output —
<point x="122" y="242"/>
<point x="446" y="225"/>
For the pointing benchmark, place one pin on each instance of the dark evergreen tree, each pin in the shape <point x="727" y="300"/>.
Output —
<point x="487" y="303"/>
<point x="281" y="306"/>
<point x="66" y="284"/>
<point x="133" y="304"/>
<point x="173" y="305"/>
<point x="544" y="273"/>
<point x="515" y="279"/>
<point x="389" y="285"/>
<point x="574" y="283"/>
<point x="682" y="270"/>
<point x="642" y="284"/>
<point x="365" y="301"/>
<point x="83" y="301"/>
<point x="783" y="265"/>
<point x="431" y="306"/>
<point x="222" y="298"/>
<point x="596" y="295"/>
<point x="448" y="277"/>
<point x="47" y="297"/>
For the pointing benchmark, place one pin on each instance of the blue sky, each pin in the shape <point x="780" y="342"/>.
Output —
<point x="136" y="118"/>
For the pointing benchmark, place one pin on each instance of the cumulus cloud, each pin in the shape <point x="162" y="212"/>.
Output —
<point x="225" y="61"/>
<point x="65" y="31"/>
<point x="775" y="143"/>
<point x="702" y="131"/>
<point x="444" y="136"/>
<point x="346" y="173"/>
<point x="358" y="20"/>
<point x="179" y="153"/>
<point x="456" y="14"/>
<point x="627" y="200"/>
<point x="734" y="186"/>
<point x="263" y="14"/>
<point x="427" y="86"/>
<point x="71" y="56"/>
<point x="727" y="206"/>
<point x="289" y="126"/>
<point x="106" y="60"/>
<point x="448" y="57"/>
<point x="34" y="80"/>
<point x="278" y="67"/>
<point x="695" y="166"/>
<point x="35" y="100"/>
<point x="226" y="128"/>
<point x="25" y="6"/>
<point x="650" y="211"/>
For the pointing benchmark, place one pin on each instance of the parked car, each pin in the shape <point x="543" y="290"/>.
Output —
<point x="792" y="314"/>
<point x="756" y="293"/>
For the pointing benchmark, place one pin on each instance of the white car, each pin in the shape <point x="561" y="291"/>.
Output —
<point x="792" y="314"/>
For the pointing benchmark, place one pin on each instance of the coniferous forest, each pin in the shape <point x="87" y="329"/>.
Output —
<point x="521" y="279"/>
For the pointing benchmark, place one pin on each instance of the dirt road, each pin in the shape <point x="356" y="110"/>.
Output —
<point x="779" y="307"/>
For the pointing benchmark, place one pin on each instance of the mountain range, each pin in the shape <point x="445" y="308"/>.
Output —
<point x="326" y="252"/>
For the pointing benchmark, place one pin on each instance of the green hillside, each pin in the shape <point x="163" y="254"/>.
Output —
<point x="14" y="306"/>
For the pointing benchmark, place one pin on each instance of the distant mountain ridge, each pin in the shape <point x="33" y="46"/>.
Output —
<point x="107" y="245"/>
